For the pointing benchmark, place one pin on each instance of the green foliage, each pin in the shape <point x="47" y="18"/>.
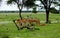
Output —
<point x="29" y="3"/>
<point x="34" y="10"/>
<point x="53" y="10"/>
<point x="57" y="3"/>
<point x="11" y="1"/>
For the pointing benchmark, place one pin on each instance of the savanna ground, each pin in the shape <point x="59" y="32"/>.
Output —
<point x="9" y="30"/>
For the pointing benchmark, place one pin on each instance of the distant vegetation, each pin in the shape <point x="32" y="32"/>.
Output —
<point x="53" y="10"/>
<point x="18" y="11"/>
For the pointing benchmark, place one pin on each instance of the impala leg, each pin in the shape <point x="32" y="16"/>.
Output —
<point x="16" y="24"/>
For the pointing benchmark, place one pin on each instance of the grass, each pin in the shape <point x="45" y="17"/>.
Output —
<point x="11" y="16"/>
<point x="49" y="31"/>
<point x="9" y="30"/>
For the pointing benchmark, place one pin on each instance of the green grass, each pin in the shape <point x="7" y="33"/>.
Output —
<point x="11" y="16"/>
<point x="10" y="30"/>
<point x="49" y="31"/>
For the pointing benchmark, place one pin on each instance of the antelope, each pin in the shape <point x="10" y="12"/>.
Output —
<point x="19" y="23"/>
<point x="28" y="20"/>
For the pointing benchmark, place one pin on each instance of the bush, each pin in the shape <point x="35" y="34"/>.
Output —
<point x="53" y="10"/>
<point x="34" y="10"/>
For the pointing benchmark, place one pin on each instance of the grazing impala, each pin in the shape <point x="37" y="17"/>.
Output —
<point x="28" y="20"/>
<point x="25" y="23"/>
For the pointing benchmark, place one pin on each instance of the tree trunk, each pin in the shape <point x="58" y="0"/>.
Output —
<point x="20" y="10"/>
<point x="47" y="16"/>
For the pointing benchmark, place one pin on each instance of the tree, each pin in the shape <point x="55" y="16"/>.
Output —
<point x="57" y="3"/>
<point x="47" y="4"/>
<point x="21" y="3"/>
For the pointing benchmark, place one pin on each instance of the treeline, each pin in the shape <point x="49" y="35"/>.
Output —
<point x="13" y="11"/>
<point x="18" y="11"/>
